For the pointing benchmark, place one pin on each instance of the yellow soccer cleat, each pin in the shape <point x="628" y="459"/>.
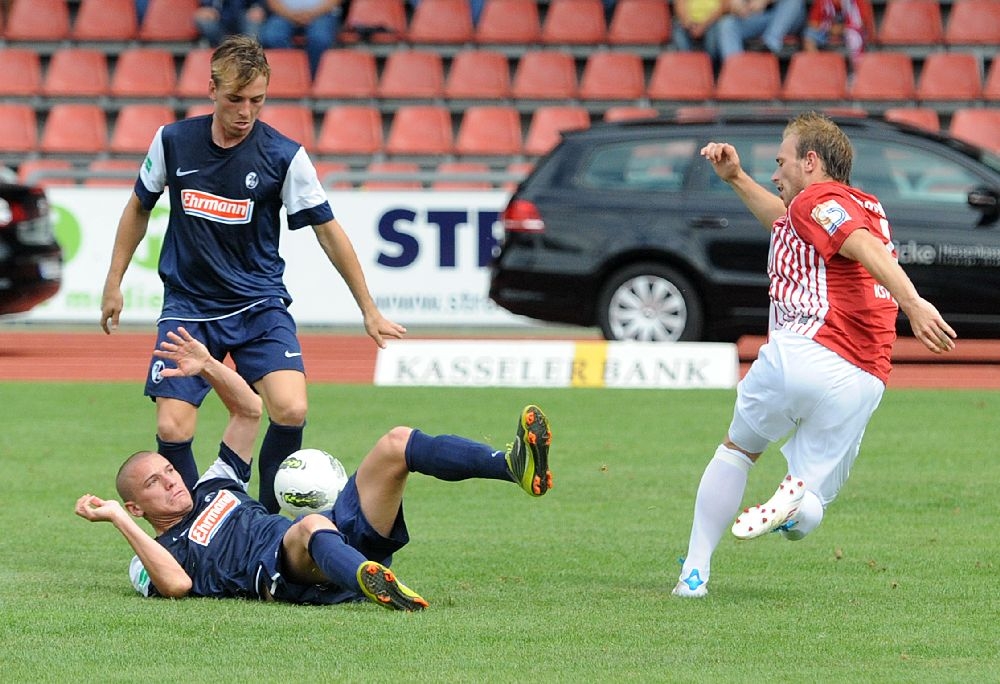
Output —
<point x="380" y="585"/>
<point x="528" y="456"/>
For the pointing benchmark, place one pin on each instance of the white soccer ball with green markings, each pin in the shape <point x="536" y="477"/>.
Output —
<point x="308" y="481"/>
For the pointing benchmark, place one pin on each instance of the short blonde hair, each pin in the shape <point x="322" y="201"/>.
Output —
<point x="818" y="133"/>
<point x="239" y="61"/>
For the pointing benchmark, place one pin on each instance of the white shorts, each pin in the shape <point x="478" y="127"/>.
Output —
<point x="799" y="385"/>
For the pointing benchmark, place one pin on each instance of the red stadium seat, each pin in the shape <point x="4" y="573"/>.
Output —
<point x="640" y="22"/>
<point x="977" y="126"/>
<point x="490" y="130"/>
<point x="545" y="75"/>
<point x="442" y="22"/>
<point x="749" y="76"/>
<point x="459" y="168"/>
<point x="575" y="22"/>
<point x="196" y="72"/>
<point x="420" y="129"/>
<point x="629" y="112"/>
<point x="345" y="74"/>
<point x="884" y="76"/>
<point x="105" y="20"/>
<point x="290" y="76"/>
<point x="77" y="72"/>
<point x="405" y="168"/>
<point x="375" y="21"/>
<point x="816" y="76"/>
<point x="351" y="130"/>
<point x="135" y="126"/>
<point x="293" y="120"/>
<point x="38" y="21"/>
<point x="921" y="117"/>
<point x="22" y="72"/>
<point x="144" y="72"/>
<point x="478" y="74"/>
<point x="613" y="76"/>
<point x="548" y="123"/>
<point x="125" y="172"/>
<point x="911" y="22"/>
<point x="324" y="169"/>
<point x="509" y="22"/>
<point x="682" y="76"/>
<point x="973" y="22"/>
<point x="412" y="74"/>
<point x="950" y="76"/>
<point x="170" y="21"/>
<point x="75" y="128"/>
<point x="46" y="172"/>
<point x="18" y="128"/>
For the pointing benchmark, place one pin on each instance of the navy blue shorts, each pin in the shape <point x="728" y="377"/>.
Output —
<point x="351" y="522"/>
<point x="260" y="339"/>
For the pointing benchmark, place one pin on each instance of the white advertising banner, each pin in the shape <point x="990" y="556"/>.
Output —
<point x="425" y="256"/>
<point x="558" y="363"/>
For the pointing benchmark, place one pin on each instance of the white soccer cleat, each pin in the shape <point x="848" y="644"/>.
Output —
<point x="778" y="510"/>
<point x="691" y="587"/>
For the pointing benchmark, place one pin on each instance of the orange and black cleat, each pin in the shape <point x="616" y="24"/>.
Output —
<point x="528" y="455"/>
<point x="381" y="586"/>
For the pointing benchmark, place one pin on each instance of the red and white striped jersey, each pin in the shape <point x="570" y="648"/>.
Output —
<point x="822" y="295"/>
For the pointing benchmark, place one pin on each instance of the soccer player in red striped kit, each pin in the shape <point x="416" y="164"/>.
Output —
<point x="836" y="289"/>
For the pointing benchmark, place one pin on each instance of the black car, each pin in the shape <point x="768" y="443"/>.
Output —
<point x="30" y="258"/>
<point x="624" y="226"/>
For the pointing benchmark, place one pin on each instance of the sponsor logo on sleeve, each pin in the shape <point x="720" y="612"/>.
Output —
<point x="830" y="216"/>
<point x="210" y="520"/>
<point x="205" y="205"/>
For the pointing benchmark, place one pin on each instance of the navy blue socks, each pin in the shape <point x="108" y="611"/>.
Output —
<point x="449" y="457"/>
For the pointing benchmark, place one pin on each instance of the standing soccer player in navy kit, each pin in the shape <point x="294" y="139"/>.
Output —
<point x="228" y="176"/>
<point x="836" y="290"/>
<point x="217" y="541"/>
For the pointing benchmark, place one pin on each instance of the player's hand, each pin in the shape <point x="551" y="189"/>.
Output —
<point x="724" y="159"/>
<point x="96" y="509"/>
<point x="930" y="328"/>
<point x="190" y="355"/>
<point x="112" y="304"/>
<point x="379" y="328"/>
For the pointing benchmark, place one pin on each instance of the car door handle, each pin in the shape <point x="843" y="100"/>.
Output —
<point x="710" y="222"/>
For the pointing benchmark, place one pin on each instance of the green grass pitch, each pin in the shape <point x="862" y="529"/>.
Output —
<point x="899" y="584"/>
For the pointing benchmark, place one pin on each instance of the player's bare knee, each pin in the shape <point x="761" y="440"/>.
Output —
<point x="288" y="414"/>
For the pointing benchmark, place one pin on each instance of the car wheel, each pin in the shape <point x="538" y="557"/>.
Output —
<point x="649" y="303"/>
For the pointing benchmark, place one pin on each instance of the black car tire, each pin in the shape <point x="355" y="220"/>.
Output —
<point x="649" y="303"/>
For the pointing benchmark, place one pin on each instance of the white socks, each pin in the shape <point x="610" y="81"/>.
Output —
<point x="720" y="494"/>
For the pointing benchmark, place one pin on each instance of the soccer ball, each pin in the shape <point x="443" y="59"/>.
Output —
<point x="308" y="481"/>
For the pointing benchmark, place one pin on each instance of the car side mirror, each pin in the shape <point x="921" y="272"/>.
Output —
<point x="986" y="200"/>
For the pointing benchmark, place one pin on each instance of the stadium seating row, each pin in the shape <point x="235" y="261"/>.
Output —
<point x="358" y="131"/>
<point x="483" y="74"/>
<point x="449" y="22"/>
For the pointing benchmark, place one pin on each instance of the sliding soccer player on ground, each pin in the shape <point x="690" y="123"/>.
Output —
<point x="836" y="289"/>
<point x="218" y="541"/>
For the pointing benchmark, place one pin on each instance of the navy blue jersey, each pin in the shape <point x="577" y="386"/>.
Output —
<point x="220" y="250"/>
<point x="228" y="544"/>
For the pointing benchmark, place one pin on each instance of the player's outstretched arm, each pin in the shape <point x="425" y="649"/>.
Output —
<point x="762" y="203"/>
<point x="244" y="405"/>
<point x="340" y="252"/>
<point x="927" y="323"/>
<point x="165" y="572"/>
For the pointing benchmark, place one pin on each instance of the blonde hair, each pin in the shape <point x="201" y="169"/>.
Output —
<point x="819" y="134"/>
<point x="239" y="61"/>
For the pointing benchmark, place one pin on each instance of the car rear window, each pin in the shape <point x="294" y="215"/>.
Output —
<point x="659" y="165"/>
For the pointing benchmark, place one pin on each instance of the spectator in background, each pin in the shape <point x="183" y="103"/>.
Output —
<point x="217" y="19"/>
<point x="317" y="20"/>
<point x="766" y="20"/>
<point x="476" y="7"/>
<point x="696" y="25"/>
<point x="847" y="22"/>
